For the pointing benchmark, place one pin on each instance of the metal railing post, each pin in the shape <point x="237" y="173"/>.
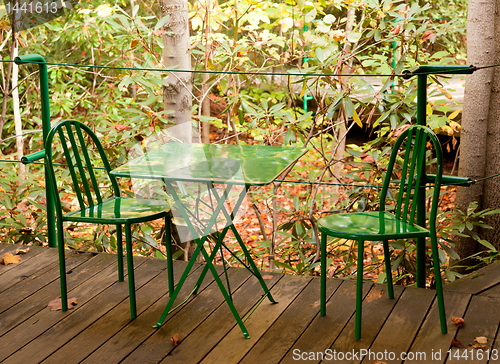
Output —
<point x="45" y="101"/>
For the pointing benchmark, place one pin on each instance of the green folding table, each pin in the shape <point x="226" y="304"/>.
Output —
<point x="212" y="164"/>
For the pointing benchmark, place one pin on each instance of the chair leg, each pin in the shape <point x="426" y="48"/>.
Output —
<point x="130" y="270"/>
<point x="388" y="268"/>
<point x="359" y="290"/>
<point x="168" y="245"/>
<point x="119" y="251"/>
<point x="323" y="275"/>
<point x="62" y="265"/>
<point x="439" y="284"/>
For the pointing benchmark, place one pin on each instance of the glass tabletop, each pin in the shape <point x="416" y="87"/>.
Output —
<point x="255" y="165"/>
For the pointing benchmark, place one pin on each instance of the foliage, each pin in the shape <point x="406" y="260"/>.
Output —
<point x="258" y="45"/>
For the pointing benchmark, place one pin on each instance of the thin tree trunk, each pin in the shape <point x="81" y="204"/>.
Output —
<point x="205" y="105"/>
<point x="17" y="112"/>
<point x="5" y="89"/>
<point x="177" y="95"/>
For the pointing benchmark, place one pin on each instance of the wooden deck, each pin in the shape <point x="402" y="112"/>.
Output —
<point x="99" y="329"/>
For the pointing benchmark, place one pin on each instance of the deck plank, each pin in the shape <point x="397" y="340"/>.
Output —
<point x="276" y="342"/>
<point x="27" y="267"/>
<point x="481" y="319"/>
<point x="139" y="330"/>
<point x="99" y="329"/>
<point x="377" y="307"/>
<point x="478" y="281"/>
<point x="78" y="319"/>
<point x="184" y="320"/>
<point x="324" y="330"/>
<point x="33" y="304"/>
<point x="45" y="319"/>
<point x="25" y="258"/>
<point x="430" y="344"/>
<point x="209" y="333"/>
<point x="402" y="325"/>
<point x="85" y="343"/>
<point x="37" y="280"/>
<point x="231" y="348"/>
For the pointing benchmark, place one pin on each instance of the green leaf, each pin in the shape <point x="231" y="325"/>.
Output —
<point x="487" y="244"/>
<point x="348" y="107"/>
<point x="356" y="118"/>
<point x="162" y="22"/>
<point x="353" y="37"/>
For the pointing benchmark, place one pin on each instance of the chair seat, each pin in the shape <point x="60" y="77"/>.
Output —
<point x="370" y="225"/>
<point x="121" y="210"/>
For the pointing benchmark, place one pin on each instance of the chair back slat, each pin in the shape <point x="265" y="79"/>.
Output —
<point x="409" y="190"/>
<point x="77" y="150"/>
<point x="71" y="167"/>
<point x="404" y="172"/>
<point x="90" y="169"/>
<point x="420" y="150"/>
<point x="84" y="158"/>
<point x="412" y="173"/>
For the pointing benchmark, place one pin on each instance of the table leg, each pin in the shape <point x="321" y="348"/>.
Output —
<point x="200" y="248"/>
<point x="255" y="271"/>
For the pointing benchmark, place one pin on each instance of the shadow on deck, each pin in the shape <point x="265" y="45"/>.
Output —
<point x="99" y="328"/>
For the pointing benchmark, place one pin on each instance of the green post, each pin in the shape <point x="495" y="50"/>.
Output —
<point x="421" y="73"/>
<point x="44" y="96"/>
<point x="421" y="120"/>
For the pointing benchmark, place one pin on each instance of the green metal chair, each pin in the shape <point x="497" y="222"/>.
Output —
<point x="400" y="223"/>
<point x="89" y="169"/>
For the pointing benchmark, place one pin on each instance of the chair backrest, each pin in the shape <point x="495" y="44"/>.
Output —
<point x="85" y="159"/>
<point x="410" y="153"/>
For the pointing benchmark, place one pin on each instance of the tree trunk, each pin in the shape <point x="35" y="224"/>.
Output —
<point x="491" y="195"/>
<point x="177" y="96"/>
<point x="476" y="113"/>
<point x="17" y="111"/>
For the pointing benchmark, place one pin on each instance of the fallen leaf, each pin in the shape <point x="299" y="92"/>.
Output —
<point x="374" y="295"/>
<point x="56" y="304"/>
<point x="267" y="277"/>
<point x="479" y="346"/>
<point x="456" y="343"/>
<point x="481" y="340"/>
<point x="458" y="321"/>
<point x="8" y="258"/>
<point x="175" y="339"/>
<point x="22" y="251"/>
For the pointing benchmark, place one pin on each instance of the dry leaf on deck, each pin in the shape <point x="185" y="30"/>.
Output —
<point x="374" y="295"/>
<point x="456" y="343"/>
<point x="175" y="339"/>
<point x="481" y="340"/>
<point x="57" y="304"/>
<point x="458" y="321"/>
<point x="22" y="251"/>
<point x="8" y="258"/>
<point x="267" y="277"/>
<point x="479" y="346"/>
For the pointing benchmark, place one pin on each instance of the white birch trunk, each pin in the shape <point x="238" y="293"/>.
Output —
<point x="17" y="112"/>
<point x="177" y="96"/>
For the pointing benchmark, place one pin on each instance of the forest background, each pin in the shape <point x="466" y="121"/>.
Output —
<point x="243" y="92"/>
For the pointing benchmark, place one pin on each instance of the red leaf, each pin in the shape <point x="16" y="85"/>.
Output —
<point x="175" y="339"/>
<point x="56" y="304"/>
<point x="456" y="343"/>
